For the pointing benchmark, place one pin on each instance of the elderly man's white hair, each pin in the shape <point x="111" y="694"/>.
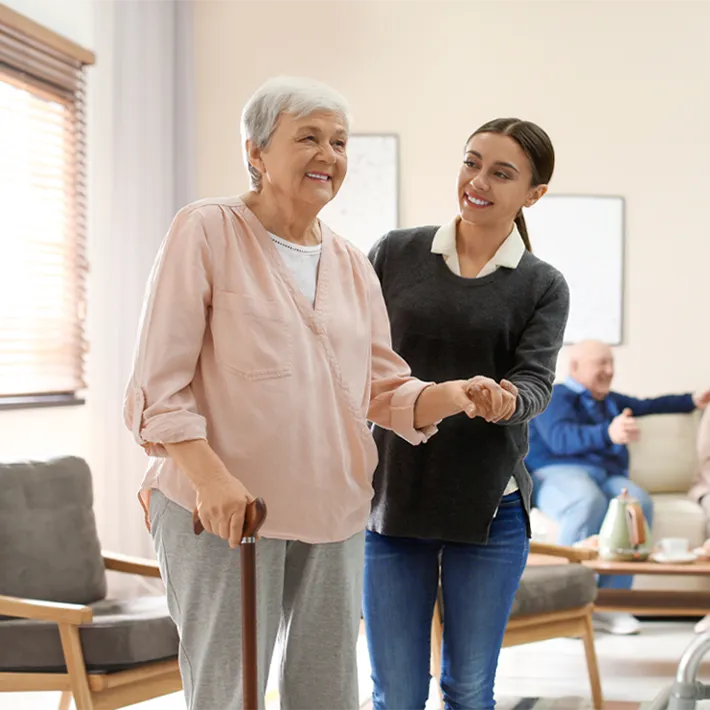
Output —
<point x="284" y="94"/>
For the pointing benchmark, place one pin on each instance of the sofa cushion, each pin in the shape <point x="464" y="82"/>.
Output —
<point x="675" y="515"/>
<point x="664" y="459"/>
<point x="547" y="588"/>
<point x="123" y="634"/>
<point x="49" y="548"/>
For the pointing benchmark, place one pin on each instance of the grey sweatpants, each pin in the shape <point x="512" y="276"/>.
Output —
<point x="310" y="595"/>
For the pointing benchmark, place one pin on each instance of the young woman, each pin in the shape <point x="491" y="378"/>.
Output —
<point x="468" y="298"/>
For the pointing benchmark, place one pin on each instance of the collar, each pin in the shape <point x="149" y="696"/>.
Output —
<point x="576" y="387"/>
<point x="572" y="384"/>
<point x="509" y="253"/>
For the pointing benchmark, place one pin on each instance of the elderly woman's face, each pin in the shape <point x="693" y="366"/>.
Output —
<point x="306" y="159"/>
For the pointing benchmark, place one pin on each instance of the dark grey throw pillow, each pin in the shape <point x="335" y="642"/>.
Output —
<point x="49" y="548"/>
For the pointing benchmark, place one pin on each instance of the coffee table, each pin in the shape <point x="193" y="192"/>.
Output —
<point x="653" y="602"/>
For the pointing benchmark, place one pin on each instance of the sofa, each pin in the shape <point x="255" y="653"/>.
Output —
<point x="663" y="461"/>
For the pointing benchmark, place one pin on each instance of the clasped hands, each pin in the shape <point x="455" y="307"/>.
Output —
<point x="222" y="499"/>
<point x="488" y="399"/>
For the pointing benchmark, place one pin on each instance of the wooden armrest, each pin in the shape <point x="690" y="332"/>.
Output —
<point x="573" y="554"/>
<point x="131" y="565"/>
<point x="45" y="611"/>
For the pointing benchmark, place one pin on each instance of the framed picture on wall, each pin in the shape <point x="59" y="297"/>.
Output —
<point x="367" y="205"/>
<point x="583" y="237"/>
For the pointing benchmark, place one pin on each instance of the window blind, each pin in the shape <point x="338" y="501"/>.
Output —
<point x="42" y="212"/>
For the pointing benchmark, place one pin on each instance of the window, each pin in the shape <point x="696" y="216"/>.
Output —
<point x="42" y="215"/>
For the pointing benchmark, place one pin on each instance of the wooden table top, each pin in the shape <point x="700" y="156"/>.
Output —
<point x="697" y="568"/>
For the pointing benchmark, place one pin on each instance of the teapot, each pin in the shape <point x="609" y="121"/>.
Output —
<point x="624" y="535"/>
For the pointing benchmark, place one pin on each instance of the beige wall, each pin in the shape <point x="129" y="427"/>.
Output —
<point x="623" y="88"/>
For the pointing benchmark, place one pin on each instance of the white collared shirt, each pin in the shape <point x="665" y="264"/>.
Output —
<point x="509" y="254"/>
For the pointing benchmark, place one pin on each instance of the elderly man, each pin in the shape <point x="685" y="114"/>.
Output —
<point x="579" y="459"/>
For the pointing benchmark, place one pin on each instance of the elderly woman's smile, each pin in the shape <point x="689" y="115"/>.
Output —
<point x="320" y="177"/>
<point x="305" y="159"/>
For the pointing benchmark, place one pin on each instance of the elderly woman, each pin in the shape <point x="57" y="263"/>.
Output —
<point x="264" y="349"/>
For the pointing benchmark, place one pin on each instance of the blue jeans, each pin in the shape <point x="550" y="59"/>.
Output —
<point x="577" y="497"/>
<point x="478" y="584"/>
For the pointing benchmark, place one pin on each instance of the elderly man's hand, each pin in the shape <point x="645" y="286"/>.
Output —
<point x="623" y="428"/>
<point x="701" y="399"/>
<point x="493" y="402"/>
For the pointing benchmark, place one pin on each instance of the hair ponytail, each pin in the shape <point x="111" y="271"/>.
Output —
<point x="523" y="229"/>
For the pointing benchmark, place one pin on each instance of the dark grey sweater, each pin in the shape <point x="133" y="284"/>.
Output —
<point x="509" y="324"/>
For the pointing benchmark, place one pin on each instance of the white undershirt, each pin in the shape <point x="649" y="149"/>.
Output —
<point x="302" y="262"/>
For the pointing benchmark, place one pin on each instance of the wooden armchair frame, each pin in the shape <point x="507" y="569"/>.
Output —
<point x="108" y="691"/>
<point x="528" y="628"/>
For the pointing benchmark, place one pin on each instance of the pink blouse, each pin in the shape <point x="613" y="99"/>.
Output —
<point x="231" y="351"/>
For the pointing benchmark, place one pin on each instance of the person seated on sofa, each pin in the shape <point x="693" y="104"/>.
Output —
<point x="578" y="456"/>
<point x="700" y="491"/>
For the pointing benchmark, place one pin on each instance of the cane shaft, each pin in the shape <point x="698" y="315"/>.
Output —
<point x="250" y="665"/>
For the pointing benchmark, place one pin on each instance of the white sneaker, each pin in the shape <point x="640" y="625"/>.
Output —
<point x="703" y="625"/>
<point x="617" y="623"/>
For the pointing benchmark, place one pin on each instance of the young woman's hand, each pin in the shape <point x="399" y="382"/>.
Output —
<point x="477" y="397"/>
<point x="509" y="387"/>
<point x="494" y="402"/>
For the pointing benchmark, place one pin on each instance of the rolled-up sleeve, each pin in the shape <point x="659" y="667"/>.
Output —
<point x="159" y="405"/>
<point x="394" y="391"/>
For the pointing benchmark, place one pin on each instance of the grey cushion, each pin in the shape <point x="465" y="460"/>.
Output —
<point x="547" y="588"/>
<point x="123" y="634"/>
<point x="49" y="548"/>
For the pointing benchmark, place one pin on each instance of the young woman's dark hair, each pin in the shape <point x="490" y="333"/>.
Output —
<point x="536" y="144"/>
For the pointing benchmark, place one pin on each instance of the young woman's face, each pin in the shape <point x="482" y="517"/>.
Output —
<point x="495" y="180"/>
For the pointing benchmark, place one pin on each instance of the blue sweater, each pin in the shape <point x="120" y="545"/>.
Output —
<point x="574" y="428"/>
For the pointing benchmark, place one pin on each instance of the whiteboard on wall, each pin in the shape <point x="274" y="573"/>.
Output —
<point x="583" y="237"/>
<point x="367" y="205"/>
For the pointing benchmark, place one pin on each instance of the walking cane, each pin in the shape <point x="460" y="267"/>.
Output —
<point x="254" y="517"/>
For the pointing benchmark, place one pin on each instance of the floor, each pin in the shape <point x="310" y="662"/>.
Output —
<point x="633" y="668"/>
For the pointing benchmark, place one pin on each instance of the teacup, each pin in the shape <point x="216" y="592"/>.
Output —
<point x="674" y="546"/>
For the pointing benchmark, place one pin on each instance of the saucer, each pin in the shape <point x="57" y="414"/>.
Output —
<point x="674" y="559"/>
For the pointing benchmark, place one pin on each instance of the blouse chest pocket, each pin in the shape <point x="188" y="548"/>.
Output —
<point x="251" y="337"/>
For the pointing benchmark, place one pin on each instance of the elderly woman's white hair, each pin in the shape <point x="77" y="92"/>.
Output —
<point x="284" y="94"/>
